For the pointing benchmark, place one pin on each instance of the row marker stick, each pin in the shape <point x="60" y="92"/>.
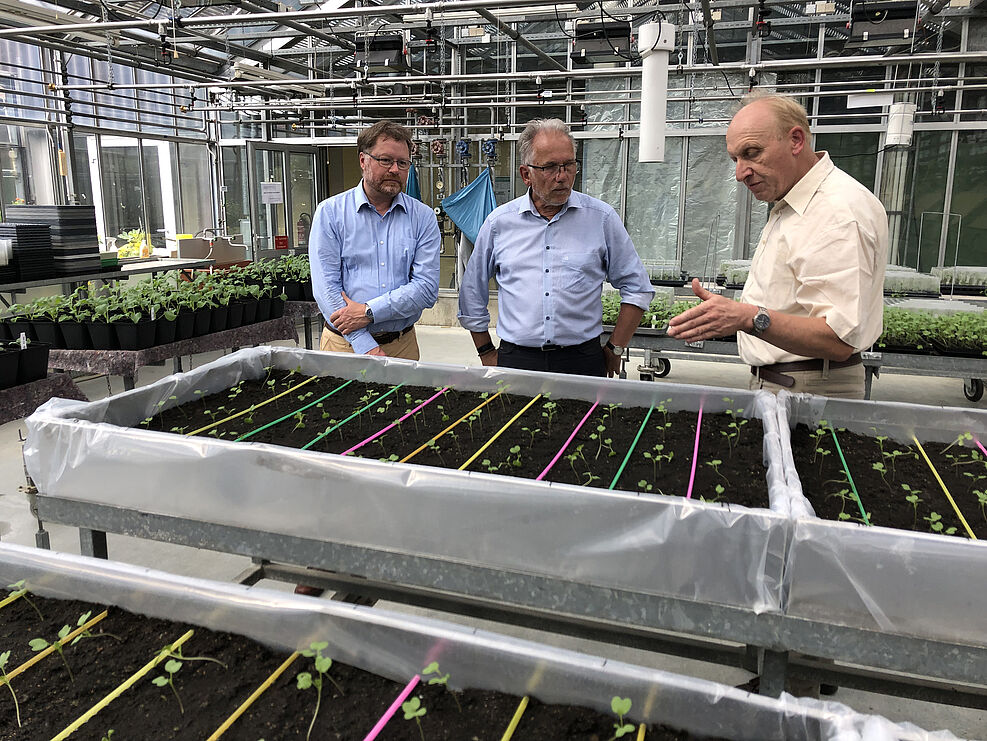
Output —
<point x="846" y="469"/>
<point x="627" y="457"/>
<point x="695" y="452"/>
<point x="393" y="709"/>
<point x="945" y="490"/>
<point x="253" y="696"/>
<point x="571" y="437"/>
<point x="255" y="406"/>
<point x="51" y="648"/>
<point x="396" y="422"/>
<point x="336" y="426"/>
<point x="512" y="726"/>
<point x="497" y="434"/>
<point x="279" y="420"/>
<point x="461" y="419"/>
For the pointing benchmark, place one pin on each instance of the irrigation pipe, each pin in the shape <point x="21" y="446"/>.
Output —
<point x="54" y="647"/>
<point x="846" y="470"/>
<point x="336" y="426"/>
<point x="253" y="696"/>
<point x="627" y="457"/>
<point x="251" y="408"/>
<point x="127" y="684"/>
<point x="497" y="434"/>
<point x="392" y="710"/>
<point x="567" y="442"/>
<point x="395" y="423"/>
<point x="695" y="452"/>
<point x="291" y="414"/>
<point x="945" y="490"/>
<point x="512" y="726"/>
<point x="458" y="421"/>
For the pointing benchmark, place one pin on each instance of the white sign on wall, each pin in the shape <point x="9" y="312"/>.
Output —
<point x="271" y="193"/>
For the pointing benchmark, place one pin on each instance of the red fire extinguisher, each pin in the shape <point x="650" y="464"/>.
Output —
<point x="302" y="228"/>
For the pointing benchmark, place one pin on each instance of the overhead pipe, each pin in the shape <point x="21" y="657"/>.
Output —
<point x="513" y="34"/>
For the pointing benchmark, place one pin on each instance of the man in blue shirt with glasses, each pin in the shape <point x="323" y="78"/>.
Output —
<point x="374" y="253"/>
<point x="550" y="251"/>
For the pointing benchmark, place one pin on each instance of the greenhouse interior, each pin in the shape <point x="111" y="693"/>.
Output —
<point x="571" y="371"/>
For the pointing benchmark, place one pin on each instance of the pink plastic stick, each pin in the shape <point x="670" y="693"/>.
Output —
<point x="392" y="710"/>
<point x="394" y="424"/>
<point x="695" y="453"/>
<point x="981" y="446"/>
<point x="559" y="454"/>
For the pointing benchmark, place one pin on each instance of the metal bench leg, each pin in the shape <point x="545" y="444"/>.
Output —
<point x="92" y="542"/>
<point x="774" y="666"/>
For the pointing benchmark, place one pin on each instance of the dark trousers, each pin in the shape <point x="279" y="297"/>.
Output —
<point x="581" y="360"/>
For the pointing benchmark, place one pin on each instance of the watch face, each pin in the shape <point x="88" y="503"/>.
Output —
<point x="762" y="320"/>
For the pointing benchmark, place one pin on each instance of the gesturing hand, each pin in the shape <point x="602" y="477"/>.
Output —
<point x="715" y="316"/>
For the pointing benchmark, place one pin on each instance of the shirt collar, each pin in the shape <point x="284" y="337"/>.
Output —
<point x="527" y="205"/>
<point x="801" y="193"/>
<point x="361" y="200"/>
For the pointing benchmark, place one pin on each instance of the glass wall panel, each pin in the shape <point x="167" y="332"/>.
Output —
<point x="84" y="169"/>
<point x="652" y="208"/>
<point x="80" y="73"/>
<point x="975" y="100"/>
<point x="855" y="154"/>
<point x="117" y="108"/>
<point x="270" y="218"/>
<point x="301" y="179"/>
<point x="710" y="207"/>
<point x="235" y="192"/>
<point x="20" y="73"/>
<point x="196" y="179"/>
<point x="25" y="166"/>
<point x="969" y="201"/>
<point x="156" y="108"/>
<point x="160" y="189"/>
<point x="600" y="170"/>
<point x="123" y="193"/>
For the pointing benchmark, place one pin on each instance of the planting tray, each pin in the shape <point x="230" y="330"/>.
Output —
<point x="397" y="646"/>
<point x="888" y="580"/>
<point x="442" y="525"/>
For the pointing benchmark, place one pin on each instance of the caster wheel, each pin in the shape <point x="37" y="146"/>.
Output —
<point x="647" y="377"/>
<point x="973" y="389"/>
<point x="662" y="368"/>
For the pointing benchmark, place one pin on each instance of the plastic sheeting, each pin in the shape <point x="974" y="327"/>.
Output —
<point x="880" y="578"/>
<point x="469" y="206"/>
<point x="399" y="645"/>
<point x="616" y="539"/>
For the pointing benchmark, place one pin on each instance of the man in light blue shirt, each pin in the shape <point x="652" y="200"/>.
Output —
<point x="374" y="253"/>
<point x="550" y="251"/>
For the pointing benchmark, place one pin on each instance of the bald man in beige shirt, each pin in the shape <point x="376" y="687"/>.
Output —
<point x="814" y="296"/>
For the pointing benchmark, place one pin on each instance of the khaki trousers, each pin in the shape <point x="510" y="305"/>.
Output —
<point x="405" y="346"/>
<point x="839" y="383"/>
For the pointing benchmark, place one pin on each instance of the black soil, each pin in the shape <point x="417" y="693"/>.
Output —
<point x="330" y="415"/>
<point x="905" y="474"/>
<point x="50" y="701"/>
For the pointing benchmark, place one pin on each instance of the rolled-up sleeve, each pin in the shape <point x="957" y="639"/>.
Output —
<point x="625" y="272"/>
<point x="474" y="293"/>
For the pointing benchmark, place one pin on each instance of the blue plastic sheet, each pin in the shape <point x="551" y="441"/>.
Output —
<point x="470" y="206"/>
<point x="412" y="188"/>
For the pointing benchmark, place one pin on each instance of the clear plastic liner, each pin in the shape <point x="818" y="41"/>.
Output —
<point x="881" y="578"/>
<point x="398" y="645"/>
<point x="650" y="544"/>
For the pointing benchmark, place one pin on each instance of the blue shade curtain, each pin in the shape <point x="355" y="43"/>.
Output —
<point x="412" y="188"/>
<point x="470" y="206"/>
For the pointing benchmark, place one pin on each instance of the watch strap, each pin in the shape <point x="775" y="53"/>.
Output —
<point x="484" y="349"/>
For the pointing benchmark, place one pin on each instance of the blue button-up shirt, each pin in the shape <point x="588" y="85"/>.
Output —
<point x="550" y="272"/>
<point x="389" y="262"/>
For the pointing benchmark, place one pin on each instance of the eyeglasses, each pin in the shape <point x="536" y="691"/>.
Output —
<point x="387" y="162"/>
<point x="552" y="170"/>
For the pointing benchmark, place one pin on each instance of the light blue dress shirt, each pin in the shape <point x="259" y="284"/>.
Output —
<point x="550" y="272"/>
<point x="389" y="262"/>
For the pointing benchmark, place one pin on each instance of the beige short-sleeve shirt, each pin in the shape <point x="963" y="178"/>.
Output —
<point x="822" y="253"/>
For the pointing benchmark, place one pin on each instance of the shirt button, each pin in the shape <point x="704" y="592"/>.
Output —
<point x="548" y="317"/>
<point x="381" y="242"/>
<point x="546" y="270"/>
<point x="548" y="246"/>
<point x="382" y="264"/>
<point x="546" y="293"/>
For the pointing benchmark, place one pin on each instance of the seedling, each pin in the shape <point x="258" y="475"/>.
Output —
<point x="960" y="439"/>
<point x="305" y="680"/>
<point x="440" y="678"/>
<point x="936" y="524"/>
<point x="108" y="736"/>
<point x="715" y="465"/>
<point x="733" y="436"/>
<point x="299" y="418"/>
<point x="621" y="706"/>
<point x="413" y="710"/>
<point x="913" y="499"/>
<point x="549" y="410"/>
<point x="880" y="468"/>
<point x="982" y="500"/>
<point x="4" y="658"/>
<point x="434" y="447"/>
<point x="644" y="485"/>
<point x="18" y="587"/>
<point x="171" y="667"/>
<point x="531" y="434"/>
<point x="40" y="644"/>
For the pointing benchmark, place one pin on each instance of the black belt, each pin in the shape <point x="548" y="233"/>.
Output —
<point x="777" y="372"/>
<point x="381" y="338"/>
<point x="550" y="347"/>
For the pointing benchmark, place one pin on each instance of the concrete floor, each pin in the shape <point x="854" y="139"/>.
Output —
<point x="453" y="345"/>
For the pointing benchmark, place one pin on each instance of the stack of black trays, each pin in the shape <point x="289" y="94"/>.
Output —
<point x="74" y="237"/>
<point x="32" y="251"/>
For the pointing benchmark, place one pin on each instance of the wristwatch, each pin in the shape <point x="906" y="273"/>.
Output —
<point x="762" y="320"/>
<point x="617" y="350"/>
<point x="369" y="314"/>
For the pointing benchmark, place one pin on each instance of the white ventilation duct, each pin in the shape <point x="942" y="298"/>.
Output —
<point x="654" y="41"/>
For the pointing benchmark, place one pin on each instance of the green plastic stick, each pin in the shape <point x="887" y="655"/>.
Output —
<point x="292" y="414"/>
<point x="853" y="487"/>
<point x="335" y="427"/>
<point x="633" y="445"/>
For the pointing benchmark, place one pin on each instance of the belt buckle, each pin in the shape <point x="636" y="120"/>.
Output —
<point x="549" y="347"/>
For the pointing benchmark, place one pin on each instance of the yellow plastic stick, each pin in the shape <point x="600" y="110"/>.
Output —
<point x="254" y="407"/>
<point x="945" y="490"/>
<point x="253" y="696"/>
<point x="127" y="684"/>
<point x="51" y="649"/>
<point x="522" y="706"/>
<point x="11" y="597"/>
<point x="640" y="732"/>
<point x="464" y="417"/>
<point x="497" y="434"/>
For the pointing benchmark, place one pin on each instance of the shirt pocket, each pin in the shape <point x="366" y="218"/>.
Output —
<point x="580" y="270"/>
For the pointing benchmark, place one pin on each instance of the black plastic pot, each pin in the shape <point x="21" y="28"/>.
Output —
<point x="5" y="331"/>
<point x="235" y="317"/>
<point x="203" y="317"/>
<point x="48" y="332"/>
<point x="220" y="317"/>
<point x="9" y="360"/>
<point x="277" y="307"/>
<point x="166" y="330"/>
<point x="102" y="336"/>
<point x="135" y="336"/>
<point x="293" y="291"/>
<point x="76" y="336"/>
<point x="22" y="325"/>
<point x="249" y="312"/>
<point x="184" y="325"/>
<point x="263" y="309"/>
<point x="307" y="293"/>
<point x="33" y="364"/>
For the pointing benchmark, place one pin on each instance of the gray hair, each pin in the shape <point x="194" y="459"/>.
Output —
<point x="538" y="126"/>
<point x="788" y="112"/>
